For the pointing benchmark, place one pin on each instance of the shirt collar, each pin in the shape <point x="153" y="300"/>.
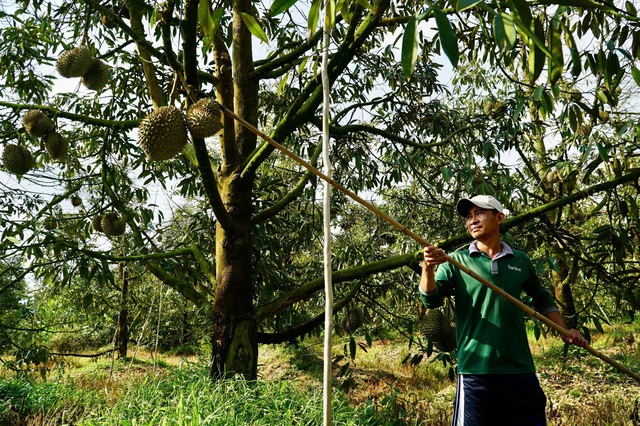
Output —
<point x="506" y="250"/>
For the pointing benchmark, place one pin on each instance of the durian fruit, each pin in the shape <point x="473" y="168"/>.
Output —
<point x="163" y="133"/>
<point x="447" y="342"/>
<point x="203" y="118"/>
<point x="433" y="325"/>
<point x="112" y="225"/>
<point x="37" y="124"/>
<point x="57" y="146"/>
<point x="96" y="223"/>
<point x="76" y="201"/>
<point x="50" y="223"/>
<point x="437" y="328"/>
<point x="17" y="159"/>
<point x="97" y="76"/>
<point x="74" y="62"/>
<point x="353" y="320"/>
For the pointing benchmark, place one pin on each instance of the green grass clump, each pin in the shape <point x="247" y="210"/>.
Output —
<point x="184" y="396"/>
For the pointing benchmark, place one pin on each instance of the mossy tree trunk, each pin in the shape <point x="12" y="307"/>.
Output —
<point x="234" y="344"/>
<point x="122" y="332"/>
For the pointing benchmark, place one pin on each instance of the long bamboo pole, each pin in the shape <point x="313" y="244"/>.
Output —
<point x="527" y="309"/>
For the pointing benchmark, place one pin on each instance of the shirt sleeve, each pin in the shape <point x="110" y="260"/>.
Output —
<point x="444" y="277"/>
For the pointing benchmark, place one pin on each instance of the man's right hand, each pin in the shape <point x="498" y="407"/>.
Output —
<point x="433" y="256"/>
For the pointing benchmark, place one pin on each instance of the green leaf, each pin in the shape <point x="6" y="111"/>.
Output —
<point x="556" y="62"/>
<point x="576" y="64"/>
<point x="254" y="27"/>
<point x="205" y="18"/>
<point x="504" y="31"/>
<point x="190" y="154"/>
<point x="521" y="8"/>
<point x="352" y="348"/>
<point x="633" y="208"/>
<point x="603" y="151"/>
<point x="283" y="84"/>
<point x="280" y="6"/>
<point x="537" y="94"/>
<point x="410" y="47"/>
<point x="447" y="174"/>
<point x="466" y="4"/>
<point x="365" y="4"/>
<point x="448" y="38"/>
<point x="330" y="15"/>
<point x="343" y="8"/>
<point x="536" y="54"/>
<point x="314" y="16"/>
<point x="14" y="240"/>
<point x="635" y="72"/>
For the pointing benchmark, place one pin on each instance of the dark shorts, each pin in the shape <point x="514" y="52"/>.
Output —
<point x="499" y="400"/>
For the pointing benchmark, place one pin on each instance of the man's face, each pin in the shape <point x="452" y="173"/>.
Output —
<point x="482" y="222"/>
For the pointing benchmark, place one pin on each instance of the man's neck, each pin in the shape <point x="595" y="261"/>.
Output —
<point x="490" y="245"/>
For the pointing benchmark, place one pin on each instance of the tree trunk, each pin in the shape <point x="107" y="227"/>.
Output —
<point x="234" y="344"/>
<point x="563" y="279"/>
<point x="122" y="333"/>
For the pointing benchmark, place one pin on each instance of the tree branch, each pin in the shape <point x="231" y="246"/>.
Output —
<point x="307" y="327"/>
<point x="311" y="287"/>
<point x="117" y="125"/>
<point x="292" y="195"/>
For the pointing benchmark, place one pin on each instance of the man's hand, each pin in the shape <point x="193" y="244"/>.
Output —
<point x="576" y="338"/>
<point x="433" y="256"/>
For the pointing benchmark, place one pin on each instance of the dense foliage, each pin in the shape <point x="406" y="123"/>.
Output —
<point x="538" y="111"/>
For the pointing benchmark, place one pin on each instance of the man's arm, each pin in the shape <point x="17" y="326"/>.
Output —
<point x="433" y="256"/>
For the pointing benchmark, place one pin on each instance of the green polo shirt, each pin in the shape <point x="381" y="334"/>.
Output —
<point x="491" y="333"/>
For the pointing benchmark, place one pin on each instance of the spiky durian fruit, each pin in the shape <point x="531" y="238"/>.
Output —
<point x="163" y="133"/>
<point x="50" y="223"/>
<point x="17" y="159"/>
<point x="97" y="76"/>
<point x="447" y="341"/>
<point x="74" y="62"/>
<point x="434" y="324"/>
<point x="96" y="223"/>
<point x="37" y="124"/>
<point x="75" y="201"/>
<point x="113" y="225"/>
<point x="57" y="145"/>
<point x="203" y="118"/>
<point x="353" y="320"/>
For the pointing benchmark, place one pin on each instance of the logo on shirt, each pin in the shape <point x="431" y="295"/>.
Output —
<point x="514" y="268"/>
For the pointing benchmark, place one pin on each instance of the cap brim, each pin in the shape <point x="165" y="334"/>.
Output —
<point x="463" y="207"/>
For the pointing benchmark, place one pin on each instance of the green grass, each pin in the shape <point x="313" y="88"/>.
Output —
<point x="378" y="389"/>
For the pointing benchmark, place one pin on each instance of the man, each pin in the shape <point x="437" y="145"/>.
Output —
<point x="497" y="384"/>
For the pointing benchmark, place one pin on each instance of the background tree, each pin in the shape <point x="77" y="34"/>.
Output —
<point x="248" y="259"/>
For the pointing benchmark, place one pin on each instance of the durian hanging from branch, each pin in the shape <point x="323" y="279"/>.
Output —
<point x="75" y="62"/>
<point x="162" y="134"/>
<point x="80" y="62"/>
<point x="203" y="118"/>
<point x="17" y="159"/>
<point x="56" y="145"/>
<point x="37" y="124"/>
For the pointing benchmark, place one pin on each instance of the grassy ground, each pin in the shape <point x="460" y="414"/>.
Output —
<point x="379" y="389"/>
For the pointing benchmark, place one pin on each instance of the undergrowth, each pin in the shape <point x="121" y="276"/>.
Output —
<point x="378" y="389"/>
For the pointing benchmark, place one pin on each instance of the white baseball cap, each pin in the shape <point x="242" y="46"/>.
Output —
<point x="482" y="201"/>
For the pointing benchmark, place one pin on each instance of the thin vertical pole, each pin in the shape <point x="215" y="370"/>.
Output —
<point x="328" y="284"/>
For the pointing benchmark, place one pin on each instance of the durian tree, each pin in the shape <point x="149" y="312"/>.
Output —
<point x="136" y="92"/>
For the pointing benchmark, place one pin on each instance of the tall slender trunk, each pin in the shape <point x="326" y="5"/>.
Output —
<point x="122" y="333"/>
<point x="234" y="344"/>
